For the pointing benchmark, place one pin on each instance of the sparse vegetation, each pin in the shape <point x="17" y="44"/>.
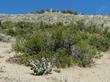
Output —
<point x="67" y="11"/>
<point x="62" y="45"/>
<point x="43" y="11"/>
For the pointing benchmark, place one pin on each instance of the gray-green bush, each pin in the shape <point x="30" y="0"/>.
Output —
<point x="63" y="45"/>
<point x="41" y="67"/>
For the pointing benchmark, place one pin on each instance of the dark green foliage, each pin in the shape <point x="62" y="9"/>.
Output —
<point x="10" y="32"/>
<point x="70" y="12"/>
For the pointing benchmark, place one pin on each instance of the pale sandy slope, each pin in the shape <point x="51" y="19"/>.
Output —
<point x="18" y="73"/>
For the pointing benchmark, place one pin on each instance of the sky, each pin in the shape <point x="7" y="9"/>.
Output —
<point x="81" y="6"/>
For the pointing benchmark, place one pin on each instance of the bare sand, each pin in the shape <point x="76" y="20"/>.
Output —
<point x="9" y="72"/>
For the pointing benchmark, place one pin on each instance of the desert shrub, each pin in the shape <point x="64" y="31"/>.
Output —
<point x="62" y="45"/>
<point x="84" y="53"/>
<point x="25" y="25"/>
<point x="26" y="28"/>
<point x="100" y="42"/>
<point x="62" y="59"/>
<point x="106" y="34"/>
<point x="10" y="31"/>
<point x="7" y="25"/>
<point x="8" y="28"/>
<point x="21" y="32"/>
<point x="36" y="43"/>
<point x="57" y="39"/>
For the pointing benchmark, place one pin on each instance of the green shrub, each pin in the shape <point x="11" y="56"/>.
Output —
<point x="25" y="25"/>
<point x="63" y="45"/>
<point x="107" y="34"/>
<point x="84" y="53"/>
<point x="10" y="32"/>
<point x="100" y="42"/>
<point x="8" y="28"/>
<point x="62" y="59"/>
<point x="7" y="25"/>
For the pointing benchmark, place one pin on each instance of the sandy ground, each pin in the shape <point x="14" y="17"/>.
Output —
<point x="19" y="73"/>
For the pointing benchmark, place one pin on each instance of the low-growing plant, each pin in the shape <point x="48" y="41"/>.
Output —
<point x="41" y="67"/>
